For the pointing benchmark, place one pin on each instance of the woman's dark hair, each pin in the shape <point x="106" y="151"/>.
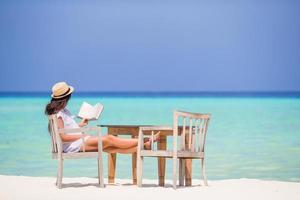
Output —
<point x="56" y="105"/>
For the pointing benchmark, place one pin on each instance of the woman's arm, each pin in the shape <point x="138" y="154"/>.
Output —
<point x="67" y="137"/>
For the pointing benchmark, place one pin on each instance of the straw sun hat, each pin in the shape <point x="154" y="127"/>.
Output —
<point x="61" y="89"/>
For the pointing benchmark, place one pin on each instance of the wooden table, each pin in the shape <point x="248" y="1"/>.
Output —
<point x="133" y="131"/>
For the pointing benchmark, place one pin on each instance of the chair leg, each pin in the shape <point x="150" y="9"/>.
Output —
<point x="203" y="172"/>
<point x="100" y="172"/>
<point x="139" y="170"/>
<point x="174" y="172"/>
<point x="59" y="173"/>
<point x="181" y="171"/>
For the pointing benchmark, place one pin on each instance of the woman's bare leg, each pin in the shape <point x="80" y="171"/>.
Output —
<point x="118" y="150"/>
<point x="110" y="149"/>
<point x="110" y="140"/>
<point x="89" y="148"/>
<point x="91" y="144"/>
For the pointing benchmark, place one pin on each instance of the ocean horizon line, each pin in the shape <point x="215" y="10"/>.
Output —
<point x="293" y="94"/>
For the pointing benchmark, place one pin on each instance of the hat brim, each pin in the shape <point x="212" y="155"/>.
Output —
<point x="60" y="97"/>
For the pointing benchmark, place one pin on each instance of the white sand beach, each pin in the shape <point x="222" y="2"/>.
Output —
<point x="21" y="187"/>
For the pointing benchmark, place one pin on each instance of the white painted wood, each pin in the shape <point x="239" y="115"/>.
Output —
<point x="200" y="131"/>
<point x="139" y="158"/>
<point x="183" y="134"/>
<point x="78" y="155"/>
<point x="156" y="128"/>
<point x="100" y="159"/>
<point x="203" y="148"/>
<point x="200" y="141"/>
<point x="193" y="146"/>
<point x="195" y="150"/>
<point x="156" y="153"/>
<point x="59" y="173"/>
<point x="197" y="136"/>
<point x="152" y="139"/>
<point x="57" y="152"/>
<point x="204" y="133"/>
<point x="192" y="115"/>
<point x="175" y="135"/>
<point x="57" y="139"/>
<point x="190" y="154"/>
<point x="190" y="133"/>
<point x="169" y="154"/>
<point x="203" y="172"/>
<point x="141" y="173"/>
<point x="51" y="132"/>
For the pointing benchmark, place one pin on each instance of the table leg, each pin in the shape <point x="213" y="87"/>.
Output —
<point x="112" y="167"/>
<point x="112" y="161"/>
<point x="188" y="172"/>
<point x="162" y="145"/>
<point x="134" y="180"/>
<point x="188" y="167"/>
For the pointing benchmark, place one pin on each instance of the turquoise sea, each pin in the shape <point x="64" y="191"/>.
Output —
<point x="248" y="137"/>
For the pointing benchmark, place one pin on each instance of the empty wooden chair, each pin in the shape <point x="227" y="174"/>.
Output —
<point x="57" y="152"/>
<point x="193" y="137"/>
<point x="190" y="129"/>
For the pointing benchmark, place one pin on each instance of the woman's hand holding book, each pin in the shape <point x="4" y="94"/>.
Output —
<point x="83" y="122"/>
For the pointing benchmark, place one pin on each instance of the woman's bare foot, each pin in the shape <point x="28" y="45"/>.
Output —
<point x="147" y="145"/>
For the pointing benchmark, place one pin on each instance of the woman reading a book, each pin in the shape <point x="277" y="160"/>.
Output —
<point x="61" y="93"/>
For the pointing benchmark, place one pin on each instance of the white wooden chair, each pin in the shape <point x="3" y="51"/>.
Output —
<point x="192" y="145"/>
<point x="57" y="152"/>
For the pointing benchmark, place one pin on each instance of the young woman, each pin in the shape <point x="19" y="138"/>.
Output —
<point x="61" y="93"/>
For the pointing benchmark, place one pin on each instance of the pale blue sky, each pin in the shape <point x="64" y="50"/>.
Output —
<point x="185" y="45"/>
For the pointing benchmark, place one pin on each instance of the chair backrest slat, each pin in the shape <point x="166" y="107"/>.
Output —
<point x="196" y="135"/>
<point x="183" y="134"/>
<point x="152" y="138"/>
<point x="200" y="134"/>
<point x="190" y="133"/>
<point x="56" y="142"/>
<point x="197" y="128"/>
<point x="52" y="134"/>
<point x="204" y="134"/>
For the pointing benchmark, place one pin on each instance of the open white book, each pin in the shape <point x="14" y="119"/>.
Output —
<point x="87" y="111"/>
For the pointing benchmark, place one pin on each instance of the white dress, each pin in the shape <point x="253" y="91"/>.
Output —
<point x="69" y="122"/>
